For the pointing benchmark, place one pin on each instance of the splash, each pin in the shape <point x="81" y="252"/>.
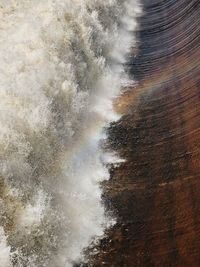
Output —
<point x="61" y="65"/>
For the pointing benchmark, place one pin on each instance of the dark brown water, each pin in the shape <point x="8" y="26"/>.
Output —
<point x="156" y="192"/>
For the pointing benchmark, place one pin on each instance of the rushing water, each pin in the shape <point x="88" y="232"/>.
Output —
<point x="61" y="65"/>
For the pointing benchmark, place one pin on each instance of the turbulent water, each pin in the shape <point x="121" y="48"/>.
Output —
<point x="61" y="65"/>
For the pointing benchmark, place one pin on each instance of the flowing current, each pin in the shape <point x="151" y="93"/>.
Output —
<point x="61" y="65"/>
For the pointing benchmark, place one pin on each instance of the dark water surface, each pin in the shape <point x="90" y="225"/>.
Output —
<point x="156" y="192"/>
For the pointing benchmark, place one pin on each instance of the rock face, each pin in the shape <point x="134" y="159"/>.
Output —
<point x="156" y="192"/>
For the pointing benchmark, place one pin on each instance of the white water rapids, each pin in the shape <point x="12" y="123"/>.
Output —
<point x="61" y="65"/>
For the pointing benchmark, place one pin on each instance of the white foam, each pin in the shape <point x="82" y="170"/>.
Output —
<point x="60" y="68"/>
<point x="4" y="250"/>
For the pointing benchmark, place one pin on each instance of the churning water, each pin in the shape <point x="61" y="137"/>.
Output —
<point x="61" y="65"/>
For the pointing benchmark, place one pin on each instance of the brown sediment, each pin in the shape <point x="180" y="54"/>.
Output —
<point x="156" y="192"/>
